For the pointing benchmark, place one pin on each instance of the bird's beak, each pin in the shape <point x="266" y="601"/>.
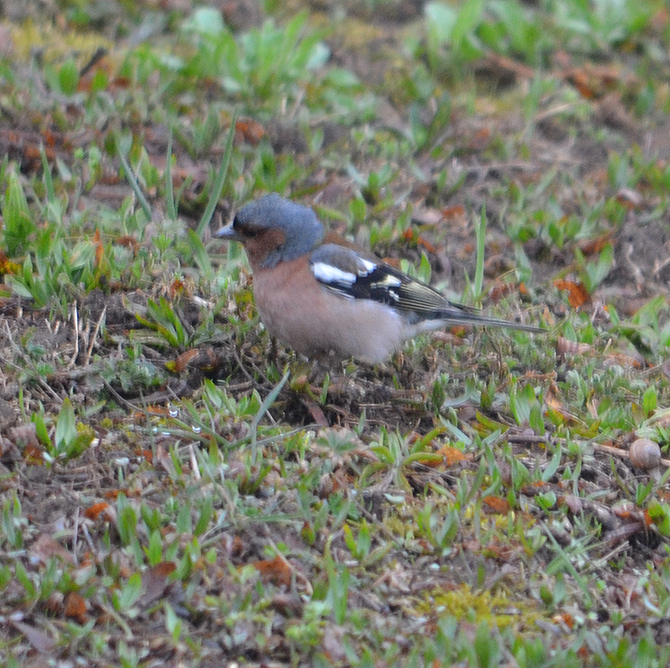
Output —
<point x="227" y="233"/>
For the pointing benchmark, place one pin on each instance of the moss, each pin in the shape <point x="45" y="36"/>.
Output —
<point x="55" y="43"/>
<point x="495" y="608"/>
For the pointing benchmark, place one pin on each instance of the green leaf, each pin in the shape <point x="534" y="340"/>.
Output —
<point x="127" y="520"/>
<point x="555" y="462"/>
<point x="486" y="647"/>
<point x="41" y="430"/>
<point x="649" y="401"/>
<point x="23" y="577"/>
<point x="184" y="520"/>
<point x="66" y="427"/>
<point x="200" y="254"/>
<point x="520" y="403"/>
<point x="79" y="443"/>
<point x="155" y="550"/>
<point x="220" y="179"/>
<point x="468" y="19"/>
<point x="130" y="593"/>
<point x="18" y="223"/>
<point x="205" y="21"/>
<point x="204" y="517"/>
<point x="441" y="19"/>
<point x="660" y="515"/>
<point x="173" y="623"/>
<point x="68" y="77"/>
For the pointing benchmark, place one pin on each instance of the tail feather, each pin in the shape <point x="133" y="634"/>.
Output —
<point x="484" y="321"/>
<point x="459" y="314"/>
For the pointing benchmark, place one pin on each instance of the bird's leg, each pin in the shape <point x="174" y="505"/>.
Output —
<point x="273" y="350"/>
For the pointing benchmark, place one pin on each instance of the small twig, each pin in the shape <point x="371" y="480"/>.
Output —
<point x="74" y="374"/>
<point x="660" y="266"/>
<point x="243" y="369"/>
<point x="623" y="533"/>
<point x="555" y="110"/>
<point x="96" y="331"/>
<point x="75" y="321"/>
<point x="75" y="537"/>
<point x="99" y="54"/>
<point x="635" y="270"/>
<point x="240" y="387"/>
<point x="168" y="394"/>
<point x="87" y="537"/>
<point x="522" y="439"/>
<point x="598" y="447"/>
<point x="194" y="462"/>
<point x="119" y="398"/>
<point x="618" y="452"/>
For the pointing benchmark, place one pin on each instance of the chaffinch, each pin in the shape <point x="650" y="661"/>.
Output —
<point x="328" y="298"/>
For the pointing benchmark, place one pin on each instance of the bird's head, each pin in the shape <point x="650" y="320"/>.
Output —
<point x="274" y="230"/>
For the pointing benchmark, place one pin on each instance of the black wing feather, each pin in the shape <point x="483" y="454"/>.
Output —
<point x="347" y="273"/>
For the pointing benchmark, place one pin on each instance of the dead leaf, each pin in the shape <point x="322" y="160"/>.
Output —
<point x="46" y="547"/>
<point x="101" y="509"/>
<point x="554" y="403"/>
<point x="426" y="216"/>
<point x="479" y="140"/>
<point x="38" y="639"/>
<point x="577" y="293"/>
<point x="497" y="504"/>
<point x="204" y="359"/>
<point x="54" y="604"/>
<point x="75" y="607"/>
<point x="250" y="130"/>
<point x="505" y="68"/>
<point x="566" y="348"/>
<point x="564" y="619"/>
<point x="623" y="533"/>
<point x="633" y="360"/>
<point x="24" y="434"/>
<point x="275" y="570"/>
<point x="288" y="604"/>
<point x="453" y="456"/>
<point x="128" y="241"/>
<point x="596" y="81"/>
<point x="421" y="241"/>
<point x="593" y="246"/>
<point x="333" y="644"/>
<point x="630" y="198"/>
<point x="457" y="211"/>
<point x="612" y="112"/>
<point x="155" y="582"/>
<point x="316" y="412"/>
<point x="99" y="248"/>
<point x="500" y="290"/>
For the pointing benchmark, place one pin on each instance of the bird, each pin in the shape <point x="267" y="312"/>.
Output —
<point x="328" y="298"/>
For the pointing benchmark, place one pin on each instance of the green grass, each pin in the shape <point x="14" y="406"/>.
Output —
<point x="173" y="488"/>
